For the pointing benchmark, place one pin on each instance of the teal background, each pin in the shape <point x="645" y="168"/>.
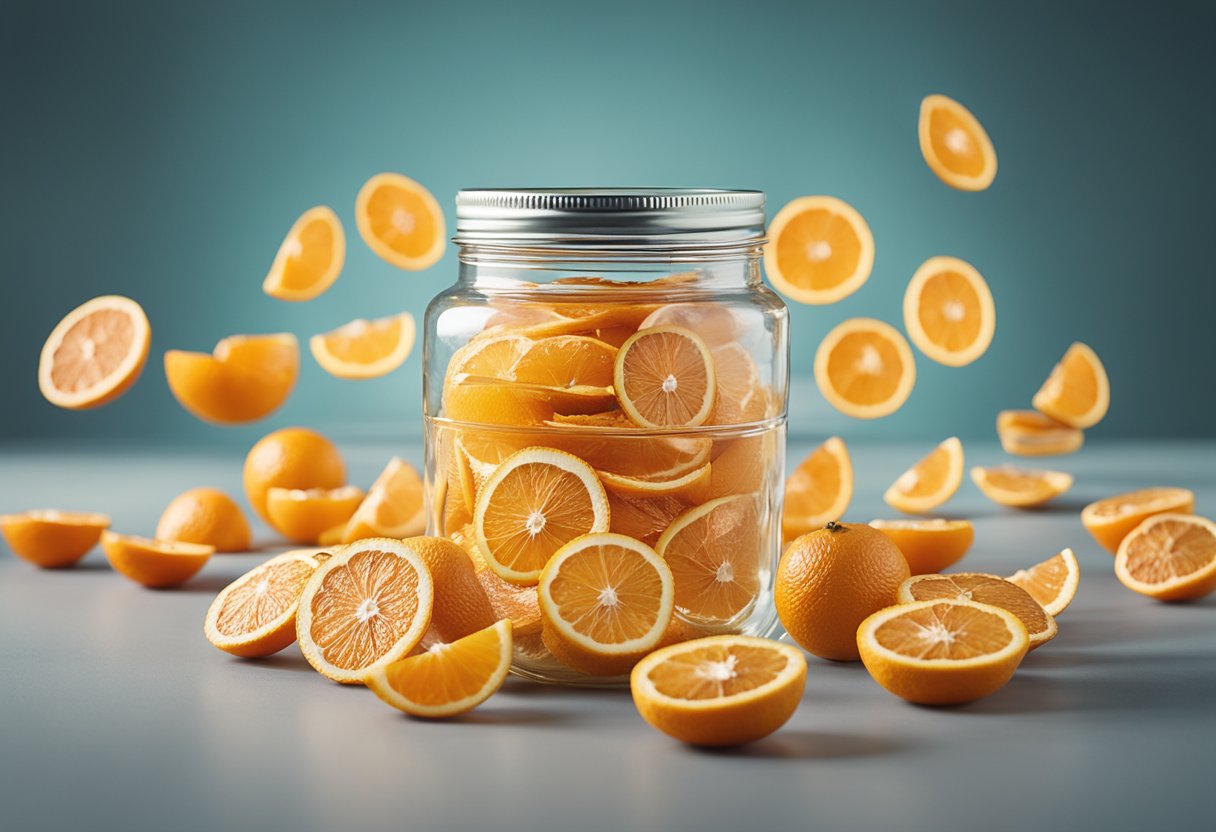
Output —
<point x="161" y="150"/>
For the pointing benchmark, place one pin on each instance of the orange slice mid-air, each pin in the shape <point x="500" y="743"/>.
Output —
<point x="207" y="516"/>
<point x="303" y="514"/>
<point x="819" y="490"/>
<point x="984" y="589"/>
<point x="1053" y="582"/>
<point x="95" y="353"/>
<point x="664" y="377"/>
<point x="1111" y="519"/>
<point x="1020" y="487"/>
<point x="930" y="482"/>
<point x="819" y="250"/>
<point x="1170" y="557"/>
<point x="928" y="545"/>
<point x="246" y="377"/>
<point x="948" y="311"/>
<point x="1077" y="392"/>
<point x="401" y="221"/>
<point x="393" y="507"/>
<point x="255" y="615"/>
<point x="955" y="145"/>
<point x="52" y="539"/>
<point x="310" y="257"/>
<point x="154" y="563"/>
<point x="365" y="349"/>
<point x="1030" y="433"/>
<point x="865" y="369"/>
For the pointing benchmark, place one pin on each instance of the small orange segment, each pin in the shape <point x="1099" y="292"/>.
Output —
<point x="1170" y="557"/>
<point x="930" y="482"/>
<point x="1111" y="519"/>
<point x="929" y="545"/>
<point x="664" y="378"/>
<point x="865" y="369"/>
<point x="245" y="378"/>
<point x="52" y="539"/>
<point x="1053" y="582"/>
<point x="393" y="507"/>
<point x="154" y="563"/>
<point x="95" y="353"/>
<point x="310" y="257"/>
<point x="820" y="250"/>
<point x="819" y="491"/>
<point x="948" y="311"/>
<point x="955" y="145"/>
<point x="1020" y="487"/>
<point x="207" y="516"/>
<point x="1077" y="392"/>
<point x="255" y="615"/>
<point x="984" y="589"/>
<point x="302" y="515"/>
<point x="1030" y="433"/>
<point x="401" y="221"/>
<point x="365" y="349"/>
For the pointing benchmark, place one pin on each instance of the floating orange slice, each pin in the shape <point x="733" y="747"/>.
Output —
<point x="1112" y="519"/>
<point x="1053" y="582"/>
<point x="207" y="516"/>
<point x="95" y="353"/>
<point x="1030" y="433"/>
<point x="255" y="615"/>
<point x="865" y="369"/>
<point x="247" y="377"/>
<point x="393" y="507"/>
<point x="983" y="589"/>
<point x="714" y="554"/>
<point x="948" y="311"/>
<point x="930" y="482"/>
<point x="819" y="490"/>
<point x="154" y="563"/>
<point x="400" y="220"/>
<point x="302" y="515"/>
<point x="955" y="145"/>
<point x="1170" y="557"/>
<point x="52" y="539"/>
<point x="365" y="349"/>
<point x="310" y="257"/>
<point x="819" y="250"/>
<point x="928" y="545"/>
<point x="664" y="377"/>
<point x="1077" y="392"/>
<point x="1020" y="487"/>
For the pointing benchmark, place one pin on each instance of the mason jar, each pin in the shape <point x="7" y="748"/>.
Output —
<point x="627" y="330"/>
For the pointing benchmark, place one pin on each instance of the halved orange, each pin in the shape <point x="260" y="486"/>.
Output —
<point x="302" y="515"/>
<point x="606" y="601"/>
<point x="255" y="615"/>
<point x="984" y="589"/>
<point x="364" y="608"/>
<point x="865" y="369"/>
<point x="714" y="554"/>
<point x="955" y="145"/>
<point x="949" y="312"/>
<point x="401" y="221"/>
<point x="154" y="563"/>
<point x="52" y="539"/>
<point x="365" y="349"/>
<point x="310" y="258"/>
<point x="930" y="482"/>
<point x="393" y="507"/>
<point x="208" y="516"/>
<point x="1053" y="582"/>
<point x="1009" y="485"/>
<point x="1170" y="557"/>
<point x="449" y="678"/>
<point x="928" y="545"/>
<point x="1030" y="433"/>
<point x="1111" y="519"/>
<point x="819" y="250"/>
<point x="819" y="490"/>
<point x="246" y="377"/>
<point x="1077" y="392"/>
<point x="95" y="353"/>
<point x="290" y="458"/>
<point x="664" y="377"/>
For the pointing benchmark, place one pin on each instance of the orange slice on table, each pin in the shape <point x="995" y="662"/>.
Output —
<point x="1020" y="487"/>
<point x="401" y="221"/>
<point x="865" y="369"/>
<point x="819" y="490"/>
<point x="255" y="615"/>
<point x="302" y="515"/>
<point x="928" y="545"/>
<point x="1030" y="433"/>
<point x="720" y="690"/>
<point x="461" y="606"/>
<point x="664" y="377"/>
<point x="606" y="600"/>
<point x="245" y="378"/>
<point x="942" y="652"/>
<point x="207" y="516"/>
<point x="365" y="349"/>
<point x="1112" y="519"/>
<point x="930" y="482"/>
<point x="154" y="563"/>
<point x="449" y="678"/>
<point x="1053" y="582"/>
<point x="291" y="458"/>
<point x="949" y="312"/>
<point x="819" y="250"/>
<point x="310" y="257"/>
<point x="955" y="145"/>
<point x="1170" y="557"/>
<point x="1077" y="392"/>
<point x="95" y="353"/>
<point x="364" y="608"/>
<point x="983" y="589"/>
<point x="394" y="506"/>
<point x="52" y="539"/>
<point x="535" y="502"/>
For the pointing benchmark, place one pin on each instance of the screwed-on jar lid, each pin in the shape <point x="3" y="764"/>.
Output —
<point x="609" y="218"/>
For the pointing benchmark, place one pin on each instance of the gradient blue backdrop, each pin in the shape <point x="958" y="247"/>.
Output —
<point x="161" y="150"/>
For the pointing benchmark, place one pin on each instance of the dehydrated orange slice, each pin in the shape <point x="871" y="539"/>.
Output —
<point x="714" y="554"/>
<point x="1030" y="433"/>
<point x="930" y="482"/>
<point x="310" y="257"/>
<point x="1020" y="487"/>
<point x="52" y="539"/>
<point x="1053" y="582"/>
<point x="255" y="615"/>
<point x="393" y="507"/>
<point x="819" y="490"/>
<point x="928" y="545"/>
<point x="1112" y="519"/>
<point x="664" y="377"/>
<point x="819" y="250"/>
<point x="400" y="220"/>
<point x="955" y="145"/>
<point x="1170" y="557"/>
<point x="948" y="311"/>
<point x="302" y="515"/>
<point x="983" y="589"/>
<point x="365" y="349"/>
<point x="95" y="353"/>
<point x="154" y="563"/>
<point x="247" y="377"/>
<point x="865" y="369"/>
<point x="1077" y="392"/>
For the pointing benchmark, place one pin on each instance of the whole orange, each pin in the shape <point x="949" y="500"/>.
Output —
<point x="291" y="458"/>
<point x="831" y="580"/>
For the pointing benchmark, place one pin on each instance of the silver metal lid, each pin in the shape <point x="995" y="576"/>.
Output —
<point x="609" y="218"/>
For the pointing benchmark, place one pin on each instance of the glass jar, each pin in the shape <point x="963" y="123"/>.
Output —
<point x="630" y="329"/>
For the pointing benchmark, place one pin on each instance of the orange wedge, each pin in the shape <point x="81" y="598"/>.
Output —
<point x="1053" y="582"/>
<point x="819" y="490"/>
<point x="955" y="145"/>
<point x="720" y="690"/>
<point x="714" y="554"/>
<point x="1030" y="433"/>
<point x="1077" y="392"/>
<point x="154" y="563"/>
<point x="1170" y="557"/>
<point x="365" y="349"/>
<point x="448" y="679"/>
<point x="930" y="482"/>
<point x="400" y="220"/>
<point x="393" y="507"/>
<point x="207" y="516"/>
<point x="52" y="539"/>
<point x="606" y="600"/>
<point x="246" y="377"/>
<point x="928" y="545"/>
<point x="948" y="311"/>
<point x="983" y="589"/>
<point x="255" y="615"/>
<point x="664" y="377"/>
<point x="1020" y="487"/>
<point x="310" y="257"/>
<point x="95" y="353"/>
<point x="302" y="515"/>
<point x="364" y="608"/>
<point x="461" y="606"/>
<point x="819" y="250"/>
<point x="290" y="458"/>
<point x="1112" y="519"/>
<point x="865" y="369"/>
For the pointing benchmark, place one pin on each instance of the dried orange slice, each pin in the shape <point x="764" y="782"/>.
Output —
<point x="1170" y="557"/>
<point x="1020" y="487"/>
<point x="720" y="690"/>
<point x="400" y="220"/>
<point x="606" y="600"/>
<point x="1112" y="519"/>
<point x="461" y="606"/>
<point x="310" y="257"/>
<point x="1077" y="392"/>
<point x="865" y="369"/>
<point x="928" y="545"/>
<point x="52" y="539"/>
<point x="449" y="678"/>
<point x="983" y="589"/>
<point x="246" y="377"/>
<point x="930" y="482"/>
<point x="364" y="608"/>
<point x="714" y="554"/>
<point x="566" y="361"/>
<point x="255" y="615"/>
<point x="302" y="515"/>
<point x="1053" y="582"/>
<point x="955" y="145"/>
<point x="495" y="402"/>
<point x="154" y="563"/>
<point x="942" y="652"/>
<point x="664" y="377"/>
<point x="208" y="516"/>
<point x="291" y="458"/>
<point x="948" y="311"/>
<point x="535" y="502"/>
<point x="819" y="250"/>
<point x="365" y="349"/>
<point x="819" y="490"/>
<point x="393" y="507"/>
<point x="95" y="353"/>
<point x="1030" y="433"/>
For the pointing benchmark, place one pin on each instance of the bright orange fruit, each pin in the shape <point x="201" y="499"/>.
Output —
<point x="1030" y="433"/>
<point x="984" y="589"/>
<point x="865" y="368"/>
<point x="95" y="353"/>
<point x="949" y="312"/>
<point x="713" y="551"/>
<point x="365" y="349"/>
<point x="52" y="539"/>
<point x="820" y="250"/>
<point x="819" y="491"/>
<point x="207" y="516"/>
<point x="1020" y="487"/>
<point x="1053" y="582"/>
<point x="955" y="145"/>
<point x="1077" y="392"/>
<point x="930" y="482"/>
<point x="928" y="545"/>
<point x="664" y="377"/>
<point x="302" y="515"/>
<point x="1170" y="557"/>
<point x="246" y="377"/>
<point x="401" y="221"/>
<point x="291" y="458"/>
<point x="1112" y="519"/>
<point x="154" y="563"/>
<point x="309" y="259"/>
<point x="393" y="507"/>
<point x="255" y="615"/>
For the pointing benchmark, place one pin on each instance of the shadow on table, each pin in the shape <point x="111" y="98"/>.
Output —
<point x="811" y="745"/>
